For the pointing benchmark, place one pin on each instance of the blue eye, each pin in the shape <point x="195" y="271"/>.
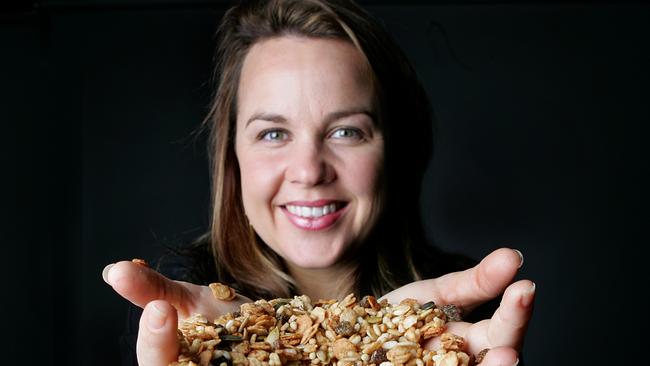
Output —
<point x="273" y="135"/>
<point x="347" y="133"/>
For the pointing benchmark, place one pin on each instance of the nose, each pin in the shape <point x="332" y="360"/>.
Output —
<point x="309" y="166"/>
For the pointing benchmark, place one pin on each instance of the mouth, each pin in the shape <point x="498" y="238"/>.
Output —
<point x="314" y="215"/>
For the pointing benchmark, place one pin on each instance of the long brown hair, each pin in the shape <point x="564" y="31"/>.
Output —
<point x="239" y="254"/>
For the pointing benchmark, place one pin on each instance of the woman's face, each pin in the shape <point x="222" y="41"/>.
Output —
<point x="308" y="147"/>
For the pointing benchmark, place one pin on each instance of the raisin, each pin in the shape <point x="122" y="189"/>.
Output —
<point x="378" y="356"/>
<point x="344" y="328"/>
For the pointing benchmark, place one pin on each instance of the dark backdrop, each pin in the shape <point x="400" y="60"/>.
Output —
<point x="540" y="109"/>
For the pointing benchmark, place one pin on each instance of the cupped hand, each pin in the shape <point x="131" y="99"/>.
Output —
<point x="164" y="301"/>
<point x="504" y="333"/>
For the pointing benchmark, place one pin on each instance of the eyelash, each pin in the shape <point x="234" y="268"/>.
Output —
<point x="359" y="135"/>
<point x="263" y="134"/>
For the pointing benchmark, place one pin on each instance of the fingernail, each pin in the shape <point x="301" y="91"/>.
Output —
<point x="516" y="362"/>
<point x="157" y="318"/>
<point x="521" y="258"/>
<point x="528" y="296"/>
<point x="105" y="272"/>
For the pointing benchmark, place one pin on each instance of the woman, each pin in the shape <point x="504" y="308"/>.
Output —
<point x="320" y="134"/>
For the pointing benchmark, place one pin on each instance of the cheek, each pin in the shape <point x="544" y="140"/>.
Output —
<point x="362" y="178"/>
<point x="259" y="179"/>
<point x="362" y="174"/>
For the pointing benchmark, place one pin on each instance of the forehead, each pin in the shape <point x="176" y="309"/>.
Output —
<point x="292" y="74"/>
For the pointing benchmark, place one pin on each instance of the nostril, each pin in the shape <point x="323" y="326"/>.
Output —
<point x="310" y="169"/>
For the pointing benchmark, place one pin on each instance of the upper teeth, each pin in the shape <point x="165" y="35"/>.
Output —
<point x="305" y="211"/>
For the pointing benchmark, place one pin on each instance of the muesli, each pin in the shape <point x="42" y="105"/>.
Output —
<point x="327" y="332"/>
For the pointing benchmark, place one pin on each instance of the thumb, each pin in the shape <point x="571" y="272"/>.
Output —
<point x="140" y="285"/>
<point x="157" y="337"/>
<point x="479" y="284"/>
<point x="468" y="288"/>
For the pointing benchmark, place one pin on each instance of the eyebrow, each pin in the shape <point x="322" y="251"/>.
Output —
<point x="330" y="117"/>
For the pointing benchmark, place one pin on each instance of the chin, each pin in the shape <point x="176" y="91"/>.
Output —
<point x="314" y="261"/>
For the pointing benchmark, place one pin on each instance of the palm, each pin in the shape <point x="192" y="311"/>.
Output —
<point x="504" y="332"/>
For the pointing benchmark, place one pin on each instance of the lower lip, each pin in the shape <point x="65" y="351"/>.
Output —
<point x="314" y="224"/>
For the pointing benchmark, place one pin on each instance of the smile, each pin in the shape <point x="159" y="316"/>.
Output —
<point x="306" y="211"/>
<point x="318" y="215"/>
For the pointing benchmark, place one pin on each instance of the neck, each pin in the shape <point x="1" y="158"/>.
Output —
<point x="324" y="284"/>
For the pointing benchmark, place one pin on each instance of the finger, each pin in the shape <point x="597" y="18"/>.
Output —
<point x="157" y="340"/>
<point x="509" y="323"/>
<point x="475" y="345"/>
<point x="476" y="341"/>
<point x="484" y="282"/>
<point x="468" y="288"/>
<point x="507" y="326"/>
<point x="500" y="356"/>
<point x="141" y="285"/>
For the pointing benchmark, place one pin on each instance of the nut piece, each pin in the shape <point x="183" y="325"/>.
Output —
<point x="452" y="342"/>
<point x="342" y="347"/>
<point x="450" y="358"/>
<point x="452" y="312"/>
<point x="434" y="328"/>
<point x="222" y="292"/>
<point x="139" y="261"/>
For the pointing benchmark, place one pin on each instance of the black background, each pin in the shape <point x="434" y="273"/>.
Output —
<point x="541" y="110"/>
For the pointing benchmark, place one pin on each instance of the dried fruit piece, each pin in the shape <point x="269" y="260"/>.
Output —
<point x="370" y="301"/>
<point x="345" y="329"/>
<point x="378" y="356"/>
<point x="222" y="292"/>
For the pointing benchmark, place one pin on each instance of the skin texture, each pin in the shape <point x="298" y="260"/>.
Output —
<point x="295" y="144"/>
<point x="304" y="80"/>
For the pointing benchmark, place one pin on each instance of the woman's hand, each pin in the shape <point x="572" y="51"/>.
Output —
<point x="164" y="301"/>
<point x="504" y="333"/>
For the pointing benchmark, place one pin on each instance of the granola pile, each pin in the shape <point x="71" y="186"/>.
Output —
<point x="328" y="332"/>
